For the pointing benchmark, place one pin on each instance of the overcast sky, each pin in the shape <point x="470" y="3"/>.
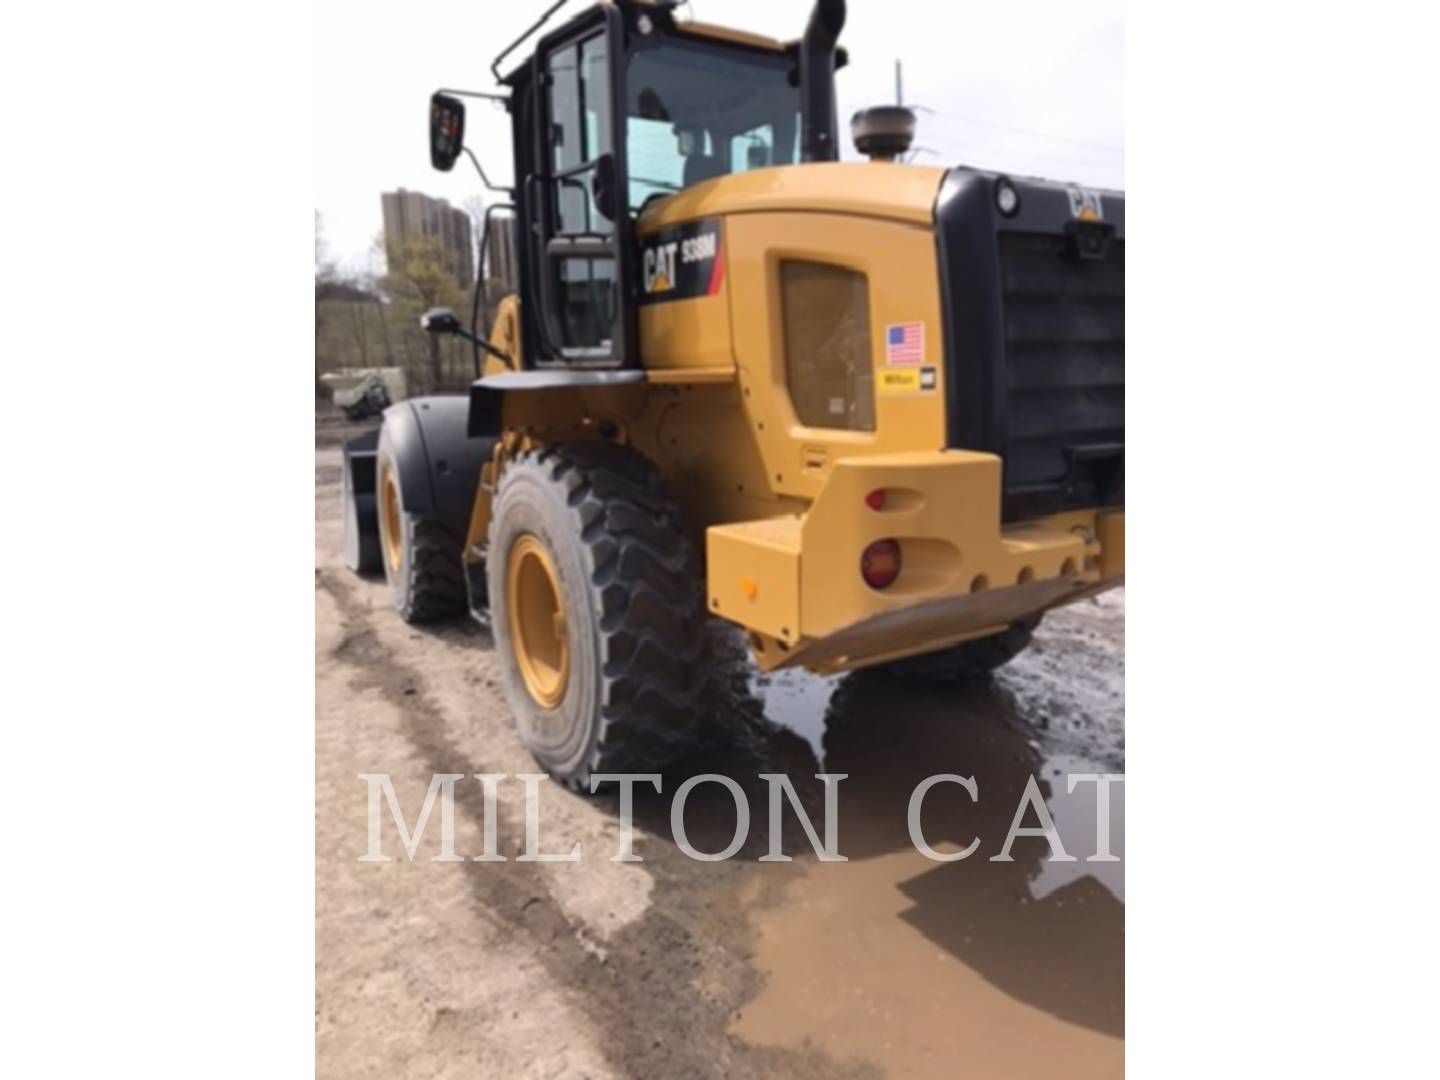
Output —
<point x="1033" y="88"/>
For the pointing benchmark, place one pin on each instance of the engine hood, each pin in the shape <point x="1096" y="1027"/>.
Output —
<point x="905" y="193"/>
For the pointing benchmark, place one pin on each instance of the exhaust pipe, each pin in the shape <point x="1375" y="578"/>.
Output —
<point x="818" y="139"/>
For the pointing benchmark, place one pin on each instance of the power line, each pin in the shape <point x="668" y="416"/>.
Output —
<point x="985" y="158"/>
<point x="1030" y="131"/>
<point x="995" y="151"/>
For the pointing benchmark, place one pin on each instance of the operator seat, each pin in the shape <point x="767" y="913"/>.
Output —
<point x="702" y="167"/>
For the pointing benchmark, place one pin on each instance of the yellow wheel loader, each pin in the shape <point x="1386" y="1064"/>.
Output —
<point x="870" y="413"/>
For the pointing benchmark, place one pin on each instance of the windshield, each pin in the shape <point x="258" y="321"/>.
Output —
<point x="695" y="111"/>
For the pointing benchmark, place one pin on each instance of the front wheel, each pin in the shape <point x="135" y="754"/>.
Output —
<point x="597" y="611"/>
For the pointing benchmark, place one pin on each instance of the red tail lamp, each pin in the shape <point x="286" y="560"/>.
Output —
<point x="880" y="564"/>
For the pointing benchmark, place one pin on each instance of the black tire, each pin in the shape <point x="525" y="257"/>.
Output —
<point x="423" y="568"/>
<point x="969" y="659"/>
<point x="633" y="610"/>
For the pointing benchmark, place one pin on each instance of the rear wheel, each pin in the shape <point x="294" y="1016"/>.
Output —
<point x="421" y="556"/>
<point x="969" y="659"/>
<point x="596" y="610"/>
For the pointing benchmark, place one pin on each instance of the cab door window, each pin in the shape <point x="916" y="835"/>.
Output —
<point x="580" y="263"/>
<point x="579" y="133"/>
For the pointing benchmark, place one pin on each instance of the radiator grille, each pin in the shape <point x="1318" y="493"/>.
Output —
<point x="1064" y="374"/>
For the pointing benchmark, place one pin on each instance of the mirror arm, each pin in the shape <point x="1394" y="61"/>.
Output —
<point x="474" y="339"/>
<point x="483" y="178"/>
<point x="503" y="357"/>
<point x="501" y="98"/>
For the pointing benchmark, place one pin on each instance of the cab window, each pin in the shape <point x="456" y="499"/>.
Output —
<point x="695" y="111"/>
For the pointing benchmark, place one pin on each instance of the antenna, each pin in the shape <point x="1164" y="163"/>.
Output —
<point x="899" y="86"/>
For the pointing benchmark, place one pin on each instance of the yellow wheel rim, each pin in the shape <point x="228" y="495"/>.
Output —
<point x="537" y="621"/>
<point x="391" y="530"/>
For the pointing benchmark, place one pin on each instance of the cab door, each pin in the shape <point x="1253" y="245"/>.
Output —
<point x="580" y="232"/>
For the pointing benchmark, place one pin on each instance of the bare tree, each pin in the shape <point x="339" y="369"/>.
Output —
<point x="324" y="265"/>
<point x="416" y="280"/>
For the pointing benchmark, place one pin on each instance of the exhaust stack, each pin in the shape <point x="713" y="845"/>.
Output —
<point x="818" y="138"/>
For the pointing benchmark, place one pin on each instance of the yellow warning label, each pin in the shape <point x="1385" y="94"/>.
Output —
<point x="899" y="382"/>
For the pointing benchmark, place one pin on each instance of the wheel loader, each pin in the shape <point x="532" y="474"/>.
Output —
<point x="871" y="413"/>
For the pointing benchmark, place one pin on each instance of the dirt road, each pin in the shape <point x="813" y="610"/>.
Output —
<point x="889" y="964"/>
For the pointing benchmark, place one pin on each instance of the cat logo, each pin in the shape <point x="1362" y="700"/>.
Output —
<point x="683" y="262"/>
<point x="659" y="267"/>
<point x="1086" y="205"/>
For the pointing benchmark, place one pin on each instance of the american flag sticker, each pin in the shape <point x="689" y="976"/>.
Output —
<point x="905" y="344"/>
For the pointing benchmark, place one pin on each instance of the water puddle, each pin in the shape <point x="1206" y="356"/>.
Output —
<point x="976" y="967"/>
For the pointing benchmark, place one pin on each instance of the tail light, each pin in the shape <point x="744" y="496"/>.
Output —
<point x="880" y="564"/>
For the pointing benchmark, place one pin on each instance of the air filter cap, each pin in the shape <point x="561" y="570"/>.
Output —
<point x="883" y="132"/>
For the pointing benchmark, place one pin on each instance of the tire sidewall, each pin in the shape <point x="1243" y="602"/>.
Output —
<point x="531" y="502"/>
<point x="398" y="580"/>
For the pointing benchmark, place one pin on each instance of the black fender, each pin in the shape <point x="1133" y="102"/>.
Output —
<point x="439" y="465"/>
<point x="487" y="395"/>
<point x="439" y="462"/>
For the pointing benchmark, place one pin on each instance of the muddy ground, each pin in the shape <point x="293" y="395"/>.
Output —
<point x="886" y="965"/>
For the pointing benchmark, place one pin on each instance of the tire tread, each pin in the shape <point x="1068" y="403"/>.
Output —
<point x="645" y="579"/>
<point x="436" y="589"/>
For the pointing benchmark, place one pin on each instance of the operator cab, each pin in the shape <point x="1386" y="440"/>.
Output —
<point x="695" y="103"/>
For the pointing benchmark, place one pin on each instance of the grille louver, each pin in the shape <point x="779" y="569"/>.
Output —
<point x="1064" y="372"/>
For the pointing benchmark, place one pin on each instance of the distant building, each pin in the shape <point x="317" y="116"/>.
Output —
<point x="411" y="216"/>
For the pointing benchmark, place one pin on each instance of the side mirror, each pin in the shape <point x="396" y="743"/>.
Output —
<point x="440" y="320"/>
<point x="447" y="131"/>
